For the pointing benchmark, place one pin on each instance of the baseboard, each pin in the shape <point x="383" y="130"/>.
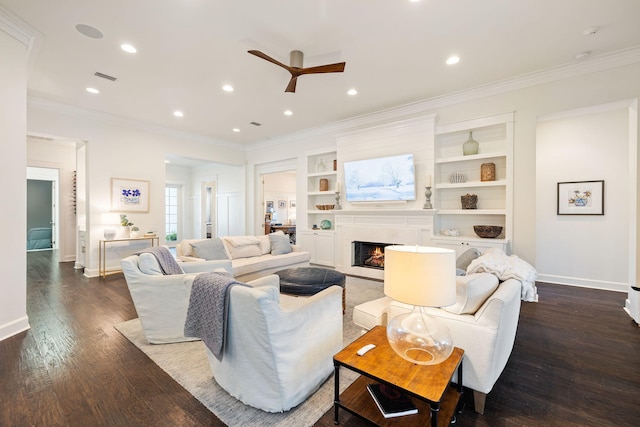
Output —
<point x="583" y="283"/>
<point x="15" y="327"/>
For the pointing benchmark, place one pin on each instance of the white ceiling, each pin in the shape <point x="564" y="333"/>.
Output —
<point x="395" y="53"/>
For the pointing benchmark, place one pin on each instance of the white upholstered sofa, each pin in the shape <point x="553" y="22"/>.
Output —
<point x="483" y="323"/>
<point x="251" y="256"/>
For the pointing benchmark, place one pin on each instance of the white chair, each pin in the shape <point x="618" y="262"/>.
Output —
<point x="161" y="301"/>
<point x="278" y="348"/>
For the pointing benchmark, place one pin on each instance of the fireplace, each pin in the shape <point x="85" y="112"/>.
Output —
<point x="368" y="254"/>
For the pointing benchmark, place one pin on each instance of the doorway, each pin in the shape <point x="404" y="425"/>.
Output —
<point x="42" y="208"/>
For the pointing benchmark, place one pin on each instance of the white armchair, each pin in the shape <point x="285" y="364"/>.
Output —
<point x="486" y="336"/>
<point x="161" y="301"/>
<point x="278" y="348"/>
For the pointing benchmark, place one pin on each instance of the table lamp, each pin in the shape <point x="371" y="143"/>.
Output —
<point x="423" y="277"/>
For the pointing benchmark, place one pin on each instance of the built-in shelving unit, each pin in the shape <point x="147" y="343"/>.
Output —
<point x="320" y="241"/>
<point x="495" y="202"/>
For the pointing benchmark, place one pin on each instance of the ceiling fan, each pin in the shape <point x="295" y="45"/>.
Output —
<point x="296" y="68"/>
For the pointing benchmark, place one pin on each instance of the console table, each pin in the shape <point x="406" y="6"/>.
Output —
<point x="102" y="251"/>
<point x="429" y="386"/>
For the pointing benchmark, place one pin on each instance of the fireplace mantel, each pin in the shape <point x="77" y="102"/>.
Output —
<point x="397" y="226"/>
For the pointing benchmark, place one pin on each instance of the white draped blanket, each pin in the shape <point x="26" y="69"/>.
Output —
<point x="504" y="267"/>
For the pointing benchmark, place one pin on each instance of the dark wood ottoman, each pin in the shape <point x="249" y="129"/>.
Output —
<point x="305" y="281"/>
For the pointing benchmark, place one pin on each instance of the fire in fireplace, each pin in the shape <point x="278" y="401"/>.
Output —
<point x="368" y="254"/>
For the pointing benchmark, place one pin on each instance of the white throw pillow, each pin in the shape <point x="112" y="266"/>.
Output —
<point x="148" y="264"/>
<point x="242" y="246"/>
<point x="209" y="249"/>
<point x="280" y="244"/>
<point x="472" y="291"/>
<point x="265" y="244"/>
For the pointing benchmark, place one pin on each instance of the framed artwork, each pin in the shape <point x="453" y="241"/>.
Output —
<point x="282" y="204"/>
<point x="269" y="205"/>
<point x="267" y="217"/>
<point x="129" y="195"/>
<point x="581" y="198"/>
<point x="292" y="203"/>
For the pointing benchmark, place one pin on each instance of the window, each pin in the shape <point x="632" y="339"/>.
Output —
<point x="172" y="200"/>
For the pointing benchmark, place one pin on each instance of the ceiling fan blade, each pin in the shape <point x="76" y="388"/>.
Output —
<point x="268" y="58"/>
<point x="291" y="87"/>
<point x="329" y="68"/>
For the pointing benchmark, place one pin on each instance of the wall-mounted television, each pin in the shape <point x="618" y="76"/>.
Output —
<point x="380" y="179"/>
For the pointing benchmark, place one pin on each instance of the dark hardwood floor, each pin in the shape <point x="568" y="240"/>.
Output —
<point x="576" y="362"/>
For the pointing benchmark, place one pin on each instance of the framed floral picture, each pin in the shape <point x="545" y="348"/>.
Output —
<point x="129" y="195"/>
<point x="581" y="198"/>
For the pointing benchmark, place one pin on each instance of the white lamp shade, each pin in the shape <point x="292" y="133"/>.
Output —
<point x="420" y="275"/>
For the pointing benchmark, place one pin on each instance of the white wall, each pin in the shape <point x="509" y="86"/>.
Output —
<point x="13" y="170"/>
<point x="530" y="97"/>
<point x="230" y="199"/>
<point x="584" y="145"/>
<point x="119" y="149"/>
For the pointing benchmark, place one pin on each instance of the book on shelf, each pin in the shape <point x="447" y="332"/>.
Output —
<point x="390" y="401"/>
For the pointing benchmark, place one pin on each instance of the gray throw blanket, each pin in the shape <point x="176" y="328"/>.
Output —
<point x="167" y="262"/>
<point x="208" y="309"/>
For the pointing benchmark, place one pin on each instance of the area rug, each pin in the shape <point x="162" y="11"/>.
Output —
<point x="187" y="363"/>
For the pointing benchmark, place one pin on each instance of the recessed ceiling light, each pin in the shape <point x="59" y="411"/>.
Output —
<point x="288" y="113"/>
<point x="227" y="88"/>
<point x="93" y="90"/>
<point x="128" y="48"/>
<point x="178" y="113"/>
<point x="352" y="92"/>
<point x="236" y="130"/>
<point x="89" y="31"/>
<point x="453" y="59"/>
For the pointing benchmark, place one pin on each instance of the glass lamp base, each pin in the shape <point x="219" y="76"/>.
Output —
<point x="419" y="338"/>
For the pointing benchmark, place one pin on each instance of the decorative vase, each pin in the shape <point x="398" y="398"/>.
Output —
<point x="470" y="147"/>
<point x="125" y="232"/>
<point x="469" y="201"/>
<point x="321" y="167"/>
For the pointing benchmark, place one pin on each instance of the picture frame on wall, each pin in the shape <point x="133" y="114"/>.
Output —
<point x="129" y="195"/>
<point x="581" y="198"/>
<point x="282" y="204"/>
<point x="269" y="205"/>
<point x="292" y="203"/>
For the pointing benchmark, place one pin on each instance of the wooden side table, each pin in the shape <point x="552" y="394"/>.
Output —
<point x="428" y="385"/>
<point x="102" y="251"/>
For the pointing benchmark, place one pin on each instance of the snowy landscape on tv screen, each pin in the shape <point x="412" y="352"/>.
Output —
<point x="381" y="179"/>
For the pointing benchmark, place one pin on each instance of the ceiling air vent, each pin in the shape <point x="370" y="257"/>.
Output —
<point x="255" y="123"/>
<point x="105" y="76"/>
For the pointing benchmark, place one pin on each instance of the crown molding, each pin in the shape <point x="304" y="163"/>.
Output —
<point x="69" y="110"/>
<point x="16" y="28"/>
<point x="594" y="64"/>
